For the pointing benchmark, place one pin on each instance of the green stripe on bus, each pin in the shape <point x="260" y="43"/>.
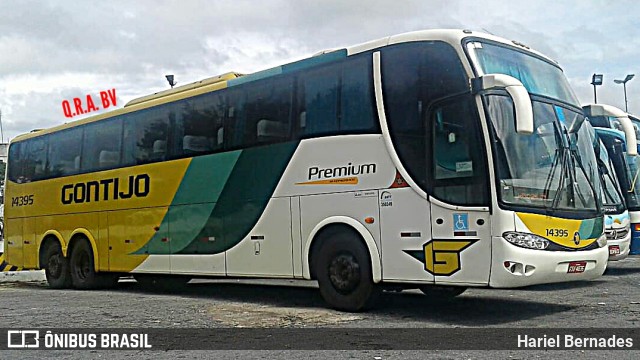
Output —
<point x="591" y="228"/>
<point x="244" y="198"/>
<point x="195" y="198"/>
<point x="220" y="199"/>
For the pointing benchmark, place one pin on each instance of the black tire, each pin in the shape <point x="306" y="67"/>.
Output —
<point x="162" y="283"/>
<point x="83" y="273"/>
<point x="441" y="292"/>
<point x="343" y="269"/>
<point x="56" y="267"/>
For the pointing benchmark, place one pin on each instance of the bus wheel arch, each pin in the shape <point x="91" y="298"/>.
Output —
<point x="319" y="234"/>
<point x="54" y="262"/>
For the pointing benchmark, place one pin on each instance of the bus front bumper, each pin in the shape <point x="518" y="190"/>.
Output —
<point x="619" y="248"/>
<point x="514" y="266"/>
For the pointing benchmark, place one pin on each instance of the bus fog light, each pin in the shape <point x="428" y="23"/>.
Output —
<point x="525" y="240"/>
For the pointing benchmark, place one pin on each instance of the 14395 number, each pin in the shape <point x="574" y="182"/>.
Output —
<point x="25" y="200"/>
<point x="558" y="232"/>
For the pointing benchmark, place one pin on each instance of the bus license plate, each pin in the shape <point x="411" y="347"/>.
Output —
<point x="614" y="250"/>
<point x="577" y="267"/>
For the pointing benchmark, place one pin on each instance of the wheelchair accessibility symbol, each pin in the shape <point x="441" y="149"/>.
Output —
<point x="460" y="222"/>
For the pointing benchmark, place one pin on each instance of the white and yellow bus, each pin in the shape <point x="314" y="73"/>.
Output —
<point x="437" y="159"/>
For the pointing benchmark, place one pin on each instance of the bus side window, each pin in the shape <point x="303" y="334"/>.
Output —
<point x="235" y="120"/>
<point x="458" y="168"/>
<point x="196" y="129"/>
<point x="15" y="170"/>
<point x="317" y="99"/>
<point x="101" y="147"/>
<point x="356" y="97"/>
<point x="146" y="136"/>
<point x="62" y="158"/>
<point x="268" y="111"/>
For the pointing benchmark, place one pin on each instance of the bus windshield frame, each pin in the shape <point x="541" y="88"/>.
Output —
<point x="564" y="179"/>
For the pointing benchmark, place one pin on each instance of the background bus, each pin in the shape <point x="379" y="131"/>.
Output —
<point x="360" y="167"/>
<point x="617" y="220"/>
<point x="620" y="141"/>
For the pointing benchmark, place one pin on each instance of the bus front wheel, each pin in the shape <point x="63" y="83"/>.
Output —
<point x="56" y="267"/>
<point x="343" y="270"/>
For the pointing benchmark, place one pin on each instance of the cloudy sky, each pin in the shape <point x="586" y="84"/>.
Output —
<point x="51" y="51"/>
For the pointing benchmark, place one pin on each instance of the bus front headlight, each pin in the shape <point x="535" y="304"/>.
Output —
<point x="526" y="240"/>
<point x="602" y="240"/>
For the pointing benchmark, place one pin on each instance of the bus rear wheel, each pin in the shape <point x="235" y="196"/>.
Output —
<point x="56" y="267"/>
<point x="343" y="270"/>
<point x="83" y="273"/>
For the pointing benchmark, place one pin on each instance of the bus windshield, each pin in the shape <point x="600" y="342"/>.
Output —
<point x="611" y="193"/>
<point x="551" y="168"/>
<point x="538" y="76"/>
<point x="555" y="167"/>
<point x="633" y="191"/>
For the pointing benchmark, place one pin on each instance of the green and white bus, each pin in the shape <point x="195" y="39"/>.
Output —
<point x="438" y="160"/>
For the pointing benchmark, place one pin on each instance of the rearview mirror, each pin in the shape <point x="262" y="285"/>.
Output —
<point x="518" y="93"/>
<point x="627" y="126"/>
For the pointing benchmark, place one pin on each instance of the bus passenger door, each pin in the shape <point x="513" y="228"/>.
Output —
<point x="460" y="251"/>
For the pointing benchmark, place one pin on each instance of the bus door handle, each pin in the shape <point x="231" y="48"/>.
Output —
<point x="26" y="242"/>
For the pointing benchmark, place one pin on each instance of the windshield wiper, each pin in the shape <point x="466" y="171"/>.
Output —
<point x="574" y="155"/>
<point x="564" y="171"/>
<point x="550" y="176"/>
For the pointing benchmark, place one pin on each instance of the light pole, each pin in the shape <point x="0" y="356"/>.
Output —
<point x="596" y="79"/>
<point x="624" y="84"/>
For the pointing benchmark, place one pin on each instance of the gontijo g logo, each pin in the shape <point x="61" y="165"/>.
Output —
<point x="441" y="257"/>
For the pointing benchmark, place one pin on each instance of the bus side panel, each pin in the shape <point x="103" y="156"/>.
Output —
<point x="129" y="232"/>
<point x="267" y="249"/>
<point x="405" y="223"/>
<point x="13" y="242"/>
<point x="296" y="237"/>
<point x="103" y="242"/>
<point x="66" y="225"/>
<point x="186" y="223"/>
<point x="356" y="205"/>
<point x="30" y="248"/>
